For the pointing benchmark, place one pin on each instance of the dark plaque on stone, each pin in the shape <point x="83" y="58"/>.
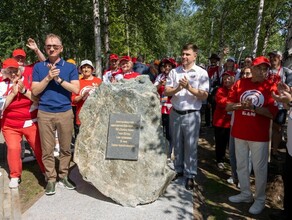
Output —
<point x="123" y="136"/>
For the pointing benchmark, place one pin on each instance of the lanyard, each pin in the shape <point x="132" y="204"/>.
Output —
<point x="9" y="88"/>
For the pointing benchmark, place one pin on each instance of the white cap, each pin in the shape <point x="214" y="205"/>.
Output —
<point x="84" y="62"/>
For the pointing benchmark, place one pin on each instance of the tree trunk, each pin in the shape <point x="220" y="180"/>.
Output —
<point x="258" y="28"/>
<point x="211" y="37"/>
<point x="266" y="39"/>
<point x="106" y="31"/>
<point x="288" y="46"/>
<point x="96" y="17"/>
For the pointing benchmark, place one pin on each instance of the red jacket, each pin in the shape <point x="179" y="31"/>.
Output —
<point x="221" y="117"/>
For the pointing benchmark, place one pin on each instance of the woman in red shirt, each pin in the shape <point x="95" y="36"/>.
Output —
<point x="222" y="118"/>
<point x="165" y="102"/>
<point x="19" y="118"/>
<point x="87" y="85"/>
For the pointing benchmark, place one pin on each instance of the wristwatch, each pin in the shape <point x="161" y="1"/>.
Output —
<point x="62" y="80"/>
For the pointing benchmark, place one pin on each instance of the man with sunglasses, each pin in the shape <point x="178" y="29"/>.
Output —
<point x="54" y="80"/>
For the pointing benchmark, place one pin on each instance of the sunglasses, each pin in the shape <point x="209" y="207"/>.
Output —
<point x="56" y="47"/>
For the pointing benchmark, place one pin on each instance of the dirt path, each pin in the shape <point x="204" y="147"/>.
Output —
<point x="211" y="195"/>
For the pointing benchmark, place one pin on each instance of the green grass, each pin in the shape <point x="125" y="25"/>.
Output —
<point x="32" y="184"/>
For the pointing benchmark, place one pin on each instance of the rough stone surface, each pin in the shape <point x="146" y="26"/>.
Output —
<point x="129" y="183"/>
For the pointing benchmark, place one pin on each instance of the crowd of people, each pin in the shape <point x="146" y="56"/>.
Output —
<point x="243" y="104"/>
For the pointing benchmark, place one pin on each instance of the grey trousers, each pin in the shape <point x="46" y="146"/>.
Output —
<point x="259" y="156"/>
<point x="185" y="131"/>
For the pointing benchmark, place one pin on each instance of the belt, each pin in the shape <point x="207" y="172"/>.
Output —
<point x="184" y="112"/>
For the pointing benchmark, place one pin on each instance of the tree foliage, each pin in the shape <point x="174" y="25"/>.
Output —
<point x="153" y="28"/>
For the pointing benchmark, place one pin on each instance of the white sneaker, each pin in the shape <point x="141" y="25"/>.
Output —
<point x="230" y="180"/>
<point x="240" y="198"/>
<point x="221" y="166"/>
<point x="256" y="208"/>
<point x="56" y="153"/>
<point x="14" y="183"/>
<point x="57" y="150"/>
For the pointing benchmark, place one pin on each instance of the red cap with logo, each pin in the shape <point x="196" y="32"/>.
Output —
<point x="127" y="58"/>
<point x="114" y="57"/>
<point x="19" y="52"/>
<point x="261" y="60"/>
<point x="10" y="62"/>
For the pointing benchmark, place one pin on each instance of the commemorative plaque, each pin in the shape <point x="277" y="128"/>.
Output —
<point x="123" y="136"/>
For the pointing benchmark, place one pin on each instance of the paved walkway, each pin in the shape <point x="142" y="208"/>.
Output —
<point x="88" y="203"/>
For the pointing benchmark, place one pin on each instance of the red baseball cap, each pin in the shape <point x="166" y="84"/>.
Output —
<point x="19" y="52"/>
<point x="127" y="58"/>
<point x="229" y="73"/>
<point x="114" y="57"/>
<point x="10" y="62"/>
<point x="169" y="60"/>
<point x="261" y="60"/>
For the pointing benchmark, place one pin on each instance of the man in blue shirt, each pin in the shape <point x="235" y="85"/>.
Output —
<point x="53" y="82"/>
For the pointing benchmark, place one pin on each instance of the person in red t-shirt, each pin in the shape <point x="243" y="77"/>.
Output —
<point x="166" y="105"/>
<point x="113" y="69"/>
<point x="253" y="107"/>
<point x="126" y="65"/>
<point x="19" y="118"/>
<point x="222" y="118"/>
<point x="26" y="69"/>
<point x="214" y="78"/>
<point x="87" y="85"/>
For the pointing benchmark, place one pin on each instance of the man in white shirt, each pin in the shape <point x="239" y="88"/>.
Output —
<point x="188" y="85"/>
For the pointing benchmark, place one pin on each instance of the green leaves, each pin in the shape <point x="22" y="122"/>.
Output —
<point x="154" y="28"/>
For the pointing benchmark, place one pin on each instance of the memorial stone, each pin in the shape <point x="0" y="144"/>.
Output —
<point x="128" y="180"/>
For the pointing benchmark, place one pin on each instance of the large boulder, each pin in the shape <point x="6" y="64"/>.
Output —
<point x="128" y="182"/>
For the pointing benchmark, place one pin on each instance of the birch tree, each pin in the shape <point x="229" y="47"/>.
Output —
<point x="258" y="27"/>
<point x="97" y="38"/>
<point x="106" y="30"/>
<point x="288" y="46"/>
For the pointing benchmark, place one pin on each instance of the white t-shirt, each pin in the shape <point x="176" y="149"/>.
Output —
<point x="159" y="78"/>
<point x="198" y="79"/>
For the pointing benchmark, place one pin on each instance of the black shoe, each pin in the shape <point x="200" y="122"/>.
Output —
<point x="190" y="184"/>
<point x="277" y="157"/>
<point x="280" y="215"/>
<point x="178" y="175"/>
